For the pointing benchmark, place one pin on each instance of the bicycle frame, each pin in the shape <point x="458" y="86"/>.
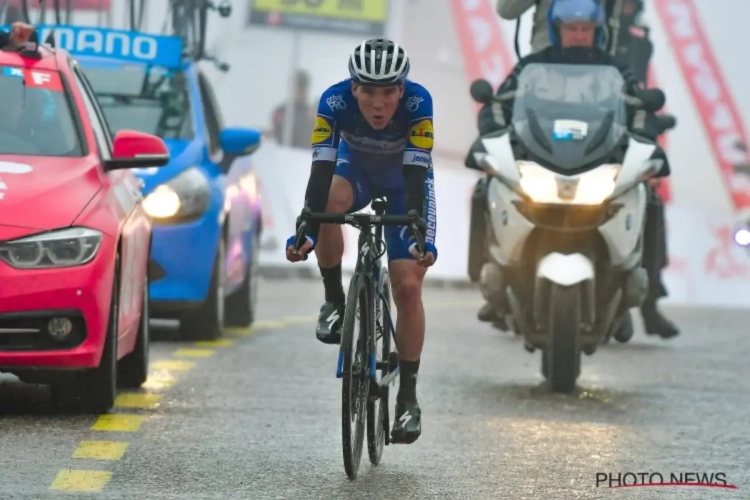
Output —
<point x="369" y="266"/>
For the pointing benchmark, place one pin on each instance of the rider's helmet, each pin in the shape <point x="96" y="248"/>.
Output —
<point x="378" y="62"/>
<point x="571" y="11"/>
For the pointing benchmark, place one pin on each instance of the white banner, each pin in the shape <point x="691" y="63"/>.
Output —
<point x="706" y="268"/>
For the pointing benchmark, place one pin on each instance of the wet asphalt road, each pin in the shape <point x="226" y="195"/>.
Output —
<point x="259" y="417"/>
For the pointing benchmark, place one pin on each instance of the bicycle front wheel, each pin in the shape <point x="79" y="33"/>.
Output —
<point x="354" y="342"/>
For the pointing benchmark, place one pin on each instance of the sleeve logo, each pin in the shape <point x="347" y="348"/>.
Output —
<point x="412" y="103"/>
<point x="322" y="131"/>
<point x="336" y="102"/>
<point x="421" y="135"/>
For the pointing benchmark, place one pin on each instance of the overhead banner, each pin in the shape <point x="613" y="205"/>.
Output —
<point x="355" y="17"/>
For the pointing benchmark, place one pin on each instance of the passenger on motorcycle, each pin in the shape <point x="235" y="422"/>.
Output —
<point x="576" y="30"/>
<point x="373" y="137"/>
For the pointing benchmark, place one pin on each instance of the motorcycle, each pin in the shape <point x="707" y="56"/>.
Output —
<point x="566" y="211"/>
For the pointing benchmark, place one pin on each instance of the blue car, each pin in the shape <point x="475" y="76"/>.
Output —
<point x="205" y="204"/>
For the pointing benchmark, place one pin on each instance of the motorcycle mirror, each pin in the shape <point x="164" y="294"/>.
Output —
<point x="666" y="122"/>
<point x="481" y="91"/>
<point x="653" y="99"/>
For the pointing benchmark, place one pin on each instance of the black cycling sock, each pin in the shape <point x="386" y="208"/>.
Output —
<point x="332" y="282"/>
<point x="408" y="387"/>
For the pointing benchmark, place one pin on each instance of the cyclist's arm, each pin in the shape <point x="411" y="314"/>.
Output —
<point x="418" y="175"/>
<point x="325" y="141"/>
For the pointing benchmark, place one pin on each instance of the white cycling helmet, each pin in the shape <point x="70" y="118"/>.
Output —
<point x="378" y="62"/>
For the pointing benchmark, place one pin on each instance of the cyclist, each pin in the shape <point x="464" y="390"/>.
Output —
<point x="373" y="137"/>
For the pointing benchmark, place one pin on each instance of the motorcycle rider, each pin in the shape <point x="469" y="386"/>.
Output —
<point x="576" y="31"/>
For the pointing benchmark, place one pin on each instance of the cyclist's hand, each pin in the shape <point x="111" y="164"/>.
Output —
<point x="430" y="254"/>
<point x="294" y="256"/>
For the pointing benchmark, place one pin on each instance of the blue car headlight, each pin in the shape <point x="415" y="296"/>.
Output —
<point x="182" y="199"/>
<point x="73" y="246"/>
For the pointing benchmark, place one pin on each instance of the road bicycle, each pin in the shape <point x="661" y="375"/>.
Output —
<point x="366" y="371"/>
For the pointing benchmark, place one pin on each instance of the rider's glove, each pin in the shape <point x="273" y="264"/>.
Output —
<point x="292" y="239"/>
<point x="428" y="247"/>
<point x="422" y="228"/>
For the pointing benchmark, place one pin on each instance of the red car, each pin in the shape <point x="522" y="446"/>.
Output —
<point x="74" y="239"/>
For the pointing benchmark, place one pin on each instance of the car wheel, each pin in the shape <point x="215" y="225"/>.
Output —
<point x="95" y="390"/>
<point x="241" y="305"/>
<point x="133" y="368"/>
<point x="207" y="322"/>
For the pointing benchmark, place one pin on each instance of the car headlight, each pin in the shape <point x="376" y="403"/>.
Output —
<point x="186" y="197"/>
<point x="545" y="186"/>
<point x="68" y="247"/>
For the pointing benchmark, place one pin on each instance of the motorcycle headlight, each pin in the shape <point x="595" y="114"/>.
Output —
<point x="544" y="186"/>
<point x="742" y="237"/>
<point x="67" y="247"/>
<point x="184" y="198"/>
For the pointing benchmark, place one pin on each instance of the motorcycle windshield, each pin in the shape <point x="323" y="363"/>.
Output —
<point x="570" y="116"/>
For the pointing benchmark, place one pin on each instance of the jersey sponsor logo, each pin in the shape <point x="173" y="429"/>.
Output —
<point x="421" y="135"/>
<point x="412" y="103"/>
<point x="368" y="145"/>
<point x="336" y="102"/>
<point x="322" y="131"/>
<point x="431" y="210"/>
<point x="418" y="158"/>
<point x="325" y="153"/>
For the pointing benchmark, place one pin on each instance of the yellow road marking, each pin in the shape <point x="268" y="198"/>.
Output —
<point x="194" y="353"/>
<point x="268" y="324"/>
<point x="135" y="400"/>
<point x="291" y="320"/>
<point x="214" y="343"/>
<point x="239" y="331"/>
<point x="174" y="365"/>
<point x="159" y="380"/>
<point x="81" y="480"/>
<point x="100" y="450"/>
<point x="115" y="422"/>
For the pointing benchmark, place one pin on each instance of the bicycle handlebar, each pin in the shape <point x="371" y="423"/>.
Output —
<point x="411" y="220"/>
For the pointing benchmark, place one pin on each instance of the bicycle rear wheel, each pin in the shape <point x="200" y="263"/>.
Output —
<point x="378" y="418"/>
<point x="354" y="373"/>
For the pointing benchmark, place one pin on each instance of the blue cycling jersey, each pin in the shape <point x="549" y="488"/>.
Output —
<point x="373" y="160"/>
<point x="409" y="135"/>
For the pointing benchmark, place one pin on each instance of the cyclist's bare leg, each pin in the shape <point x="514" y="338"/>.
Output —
<point x="406" y="284"/>
<point x="330" y="247"/>
<point x="329" y="251"/>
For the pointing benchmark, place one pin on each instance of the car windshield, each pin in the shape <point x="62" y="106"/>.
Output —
<point x="36" y="116"/>
<point x="151" y="100"/>
<point x="570" y="115"/>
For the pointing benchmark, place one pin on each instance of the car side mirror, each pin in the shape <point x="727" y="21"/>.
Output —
<point x="133" y="149"/>
<point x="240" y="141"/>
